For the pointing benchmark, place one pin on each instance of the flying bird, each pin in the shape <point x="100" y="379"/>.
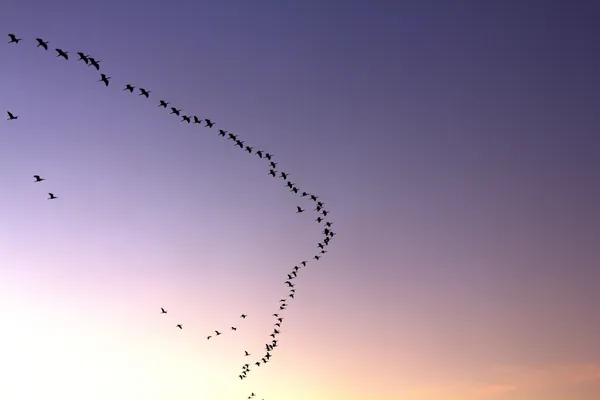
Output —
<point x="186" y="119"/>
<point x="222" y="132"/>
<point x="209" y="123"/>
<point x="272" y="173"/>
<point x="260" y="153"/>
<point x="218" y="333"/>
<point x="104" y="79"/>
<point x="94" y="63"/>
<point x="163" y="311"/>
<point x="11" y="116"/>
<point x="196" y="120"/>
<point x="83" y="58"/>
<point x="299" y="209"/>
<point x="38" y="178"/>
<point x="129" y="87"/>
<point x="179" y="326"/>
<point x="144" y="92"/>
<point x="41" y="43"/>
<point x="174" y="111"/>
<point x="284" y="175"/>
<point x="61" y="53"/>
<point x="163" y="104"/>
<point x="268" y="156"/>
<point x="249" y="149"/>
<point x="247" y="354"/>
<point x="13" y="38"/>
<point x="243" y="316"/>
<point x="233" y="328"/>
<point x="52" y="196"/>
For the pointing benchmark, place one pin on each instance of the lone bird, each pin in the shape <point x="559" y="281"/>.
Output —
<point x="52" y="196"/>
<point x="83" y="58"/>
<point x="62" y="53"/>
<point x="38" y="178"/>
<point x="163" y="311"/>
<point x="163" y="104"/>
<point x="129" y="87"/>
<point x="209" y="123"/>
<point x="13" y="38"/>
<point x="11" y="116"/>
<point x="144" y="92"/>
<point x="104" y="79"/>
<point x="41" y="43"/>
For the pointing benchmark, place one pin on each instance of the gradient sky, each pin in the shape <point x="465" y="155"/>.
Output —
<point x="455" y="143"/>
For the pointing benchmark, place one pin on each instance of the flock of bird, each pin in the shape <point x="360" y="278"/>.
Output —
<point x="327" y="231"/>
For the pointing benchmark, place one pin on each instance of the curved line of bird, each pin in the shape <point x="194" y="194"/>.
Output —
<point x="328" y="233"/>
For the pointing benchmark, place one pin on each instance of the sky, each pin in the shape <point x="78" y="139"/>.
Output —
<point x="455" y="144"/>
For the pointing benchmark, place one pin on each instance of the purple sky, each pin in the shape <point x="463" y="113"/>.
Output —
<point x="456" y="144"/>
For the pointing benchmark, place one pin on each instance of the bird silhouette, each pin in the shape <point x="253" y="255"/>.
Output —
<point x="208" y="337"/>
<point x="209" y="123"/>
<point x="259" y="153"/>
<point x="104" y="79"/>
<point x="233" y="328"/>
<point x="196" y="120"/>
<point x="299" y="209"/>
<point x="179" y="326"/>
<point x="129" y="87"/>
<point x="13" y="38"/>
<point x="163" y="104"/>
<point x="243" y="316"/>
<point x="144" y="92"/>
<point x="218" y="333"/>
<point x="284" y="175"/>
<point x="41" y="43"/>
<point x="247" y="354"/>
<point x="94" y="63"/>
<point x="186" y="119"/>
<point x="249" y="149"/>
<point x="175" y="111"/>
<point x="268" y="156"/>
<point x="52" y="196"/>
<point x="38" y="178"/>
<point x="222" y="132"/>
<point x="11" y="116"/>
<point x="272" y="172"/>
<point x="61" y="53"/>
<point x="83" y="58"/>
<point x="163" y="311"/>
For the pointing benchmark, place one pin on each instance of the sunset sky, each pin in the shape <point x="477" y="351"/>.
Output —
<point x="455" y="143"/>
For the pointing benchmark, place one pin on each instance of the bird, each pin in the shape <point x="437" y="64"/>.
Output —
<point x="38" y="178"/>
<point x="247" y="354"/>
<point x="268" y="156"/>
<point x="218" y="333"/>
<point x="52" y="196"/>
<point x="144" y="92"/>
<point x="208" y="337"/>
<point x="304" y="194"/>
<point x="276" y="315"/>
<point x="62" y="53"/>
<point x="186" y="119"/>
<point x="129" y="87"/>
<point x="325" y="212"/>
<point x="41" y="43"/>
<point x="259" y="153"/>
<point x="104" y="79"/>
<point x="179" y="326"/>
<point x="284" y="175"/>
<point x="163" y="104"/>
<point x="272" y="173"/>
<point x="13" y="38"/>
<point x="222" y="132"/>
<point x="273" y="164"/>
<point x="299" y="209"/>
<point x="11" y="116"/>
<point x="319" y="219"/>
<point x="313" y="197"/>
<point x="163" y="311"/>
<point x="94" y="63"/>
<point x="243" y="316"/>
<point x="174" y="111"/>
<point x="209" y="123"/>
<point x="317" y="258"/>
<point x="232" y="137"/>
<point x="83" y="58"/>
<point x="249" y="149"/>
<point x="240" y="143"/>
<point x="233" y="328"/>
<point x="196" y="120"/>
